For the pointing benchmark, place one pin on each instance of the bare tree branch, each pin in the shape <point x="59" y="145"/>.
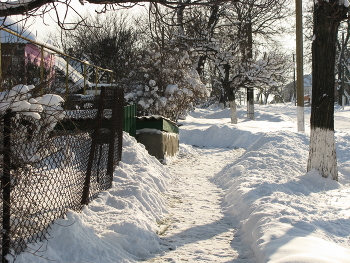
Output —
<point x="18" y="7"/>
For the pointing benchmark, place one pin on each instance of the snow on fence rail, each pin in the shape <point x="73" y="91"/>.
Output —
<point x="58" y="149"/>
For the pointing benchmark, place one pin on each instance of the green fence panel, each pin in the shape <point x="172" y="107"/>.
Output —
<point x="130" y="119"/>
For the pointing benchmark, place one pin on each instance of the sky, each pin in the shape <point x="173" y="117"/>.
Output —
<point x="43" y="27"/>
<point x="235" y="193"/>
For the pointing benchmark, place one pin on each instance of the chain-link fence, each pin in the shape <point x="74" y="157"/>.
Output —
<point x="58" y="146"/>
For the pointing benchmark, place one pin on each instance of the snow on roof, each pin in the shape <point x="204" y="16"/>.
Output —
<point x="74" y="75"/>
<point x="17" y="27"/>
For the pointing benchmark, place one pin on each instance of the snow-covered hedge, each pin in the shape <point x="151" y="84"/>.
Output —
<point x="33" y="120"/>
<point x="164" y="83"/>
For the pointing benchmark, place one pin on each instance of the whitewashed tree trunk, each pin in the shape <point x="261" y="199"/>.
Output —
<point x="322" y="153"/>
<point x="233" y="110"/>
<point x="250" y="110"/>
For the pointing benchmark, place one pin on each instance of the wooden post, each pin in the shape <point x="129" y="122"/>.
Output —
<point x="294" y="83"/>
<point x="341" y="89"/>
<point x="300" y="70"/>
<point x="250" y="91"/>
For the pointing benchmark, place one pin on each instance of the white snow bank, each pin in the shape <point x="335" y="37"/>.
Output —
<point x="219" y="136"/>
<point x="120" y="225"/>
<point x="285" y="213"/>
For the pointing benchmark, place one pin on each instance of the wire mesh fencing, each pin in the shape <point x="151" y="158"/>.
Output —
<point x="61" y="138"/>
<point x="56" y="163"/>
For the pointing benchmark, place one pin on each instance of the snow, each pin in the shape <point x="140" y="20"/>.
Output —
<point x="344" y="3"/>
<point x="18" y="99"/>
<point x="11" y="24"/>
<point x="323" y="138"/>
<point x="171" y="89"/>
<point x="73" y="74"/>
<point x="236" y="193"/>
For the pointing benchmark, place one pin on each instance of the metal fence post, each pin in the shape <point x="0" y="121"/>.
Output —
<point x="94" y="138"/>
<point x="0" y="64"/>
<point x="120" y="124"/>
<point x="6" y="187"/>
<point x="118" y="104"/>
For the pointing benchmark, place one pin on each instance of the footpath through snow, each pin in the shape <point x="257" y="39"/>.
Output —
<point x="198" y="230"/>
<point x="226" y="205"/>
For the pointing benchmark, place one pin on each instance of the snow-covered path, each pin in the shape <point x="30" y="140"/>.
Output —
<point x="198" y="230"/>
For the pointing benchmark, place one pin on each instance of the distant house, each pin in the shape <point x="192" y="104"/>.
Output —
<point x="21" y="60"/>
<point x="289" y="92"/>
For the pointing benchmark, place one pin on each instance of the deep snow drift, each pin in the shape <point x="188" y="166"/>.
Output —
<point x="285" y="214"/>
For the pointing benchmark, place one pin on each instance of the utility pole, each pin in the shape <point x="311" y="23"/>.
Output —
<point x="250" y="90"/>
<point x="294" y="83"/>
<point x="300" y="71"/>
<point x="341" y="68"/>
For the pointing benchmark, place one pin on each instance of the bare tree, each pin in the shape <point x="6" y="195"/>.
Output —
<point x="111" y="43"/>
<point x="39" y="7"/>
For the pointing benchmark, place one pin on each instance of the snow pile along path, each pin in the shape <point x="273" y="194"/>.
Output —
<point x="119" y="226"/>
<point x="198" y="229"/>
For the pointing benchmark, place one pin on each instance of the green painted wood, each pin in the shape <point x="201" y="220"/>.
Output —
<point x="130" y="119"/>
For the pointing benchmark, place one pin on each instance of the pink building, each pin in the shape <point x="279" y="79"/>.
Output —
<point x="21" y="59"/>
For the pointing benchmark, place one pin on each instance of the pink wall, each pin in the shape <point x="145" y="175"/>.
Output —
<point x="33" y="54"/>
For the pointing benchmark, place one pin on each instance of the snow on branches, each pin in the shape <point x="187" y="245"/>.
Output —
<point x="33" y="120"/>
<point x="164" y="82"/>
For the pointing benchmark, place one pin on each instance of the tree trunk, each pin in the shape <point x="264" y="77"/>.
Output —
<point x="231" y="102"/>
<point x="250" y="103"/>
<point x="233" y="106"/>
<point x="266" y="96"/>
<point x="322" y="153"/>
<point x="230" y="92"/>
<point x="200" y="65"/>
<point x="233" y="110"/>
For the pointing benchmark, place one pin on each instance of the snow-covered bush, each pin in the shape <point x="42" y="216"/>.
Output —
<point x="164" y="82"/>
<point x="32" y="121"/>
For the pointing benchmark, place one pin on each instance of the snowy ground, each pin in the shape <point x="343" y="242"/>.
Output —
<point x="198" y="229"/>
<point x="241" y="194"/>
